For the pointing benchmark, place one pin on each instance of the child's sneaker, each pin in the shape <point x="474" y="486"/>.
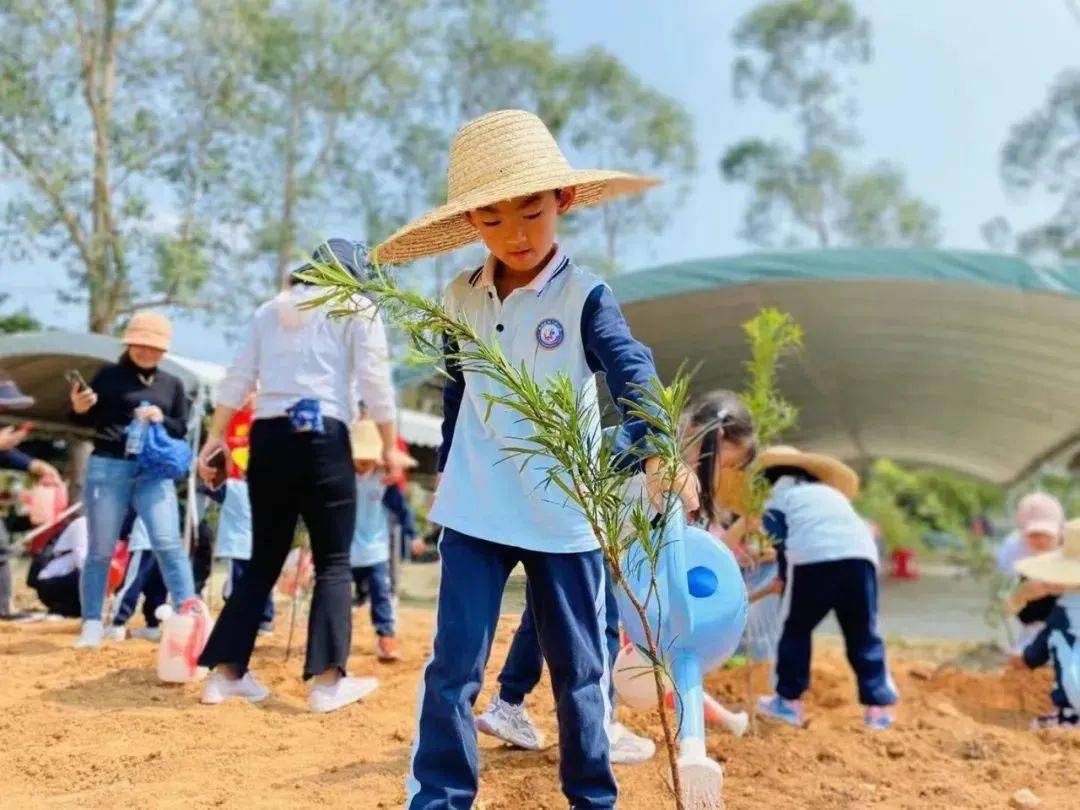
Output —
<point x="386" y="649"/>
<point x="219" y="688"/>
<point x="147" y="633"/>
<point x="116" y="632"/>
<point x="1062" y="718"/>
<point x="346" y="691"/>
<point x="627" y="748"/>
<point x="778" y="708"/>
<point x="266" y="628"/>
<point x="93" y="632"/>
<point x="510" y="723"/>
<point x="878" y="717"/>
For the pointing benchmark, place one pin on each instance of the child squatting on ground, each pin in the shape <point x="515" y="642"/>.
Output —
<point x="369" y="553"/>
<point x="729" y="445"/>
<point x="1059" y="572"/>
<point x="508" y="185"/>
<point x="828" y="561"/>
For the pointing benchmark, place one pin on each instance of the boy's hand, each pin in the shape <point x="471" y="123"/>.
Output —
<point x="395" y="463"/>
<point x="658" y="483"/>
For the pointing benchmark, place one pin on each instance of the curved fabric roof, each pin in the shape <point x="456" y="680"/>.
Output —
<point x="959" y="359"/>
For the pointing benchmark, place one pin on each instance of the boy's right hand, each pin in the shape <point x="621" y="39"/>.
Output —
<point x="82" y="399"/>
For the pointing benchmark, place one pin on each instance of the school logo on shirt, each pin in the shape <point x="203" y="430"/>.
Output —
<point x="550" y="334"/>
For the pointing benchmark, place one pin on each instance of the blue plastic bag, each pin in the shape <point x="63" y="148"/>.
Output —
<point x="162" y="456"/>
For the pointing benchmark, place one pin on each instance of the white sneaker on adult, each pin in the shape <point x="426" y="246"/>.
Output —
<point x="627" y="748"/>
<point x="115" y="632"/>
<point x="93" y="632"/>
<point x="147" y="633"/>
<point x="510" y="723"/>
<point x="220" y="688"/>
<point x="347" y="690"/>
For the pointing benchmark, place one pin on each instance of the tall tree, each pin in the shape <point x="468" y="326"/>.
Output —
<point x="792" y="54"/>
<point x="22" y="320"/>
<point x="1042" y="153"/>
<point x="87" y="132"/>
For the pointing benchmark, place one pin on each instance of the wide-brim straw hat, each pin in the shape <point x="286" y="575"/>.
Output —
<point x="148" y="328"/>
<point x="497" y="157"/>
<point x="826" y="469"/>
<point x="1060" y="566"/>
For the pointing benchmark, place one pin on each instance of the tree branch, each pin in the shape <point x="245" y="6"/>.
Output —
<point x="139" y="23"/>
<point x="40" y="181"/>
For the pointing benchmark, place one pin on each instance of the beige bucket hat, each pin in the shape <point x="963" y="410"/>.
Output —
<point x="499" y="156"/>
<point x="826" y="469"/>
<point x="147" y="328"/>
<point x="1060" y="566"/>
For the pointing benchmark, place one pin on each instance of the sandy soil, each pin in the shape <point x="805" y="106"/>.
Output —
<point x="96" y="730"/>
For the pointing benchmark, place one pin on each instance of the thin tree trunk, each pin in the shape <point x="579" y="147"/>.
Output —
<point x="287" y="227"/>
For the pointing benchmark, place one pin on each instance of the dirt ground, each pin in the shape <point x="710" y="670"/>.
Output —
<point x="94" y="729"/>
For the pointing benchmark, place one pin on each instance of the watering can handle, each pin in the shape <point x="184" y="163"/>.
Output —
<point x="674" y="549"/>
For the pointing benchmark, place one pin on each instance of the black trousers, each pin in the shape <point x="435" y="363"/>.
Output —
<point x="293" y="475"/>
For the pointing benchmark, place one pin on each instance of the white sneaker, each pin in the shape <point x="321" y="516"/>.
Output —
<point x="346" y="691"/>
<point x="627" y="748"/>
<point x="147" y="633"/>
<point x="93" y="632"/>
<point x="511" y="724"/>
<point x="219" y="688"/>
<point x="115" y="632"/>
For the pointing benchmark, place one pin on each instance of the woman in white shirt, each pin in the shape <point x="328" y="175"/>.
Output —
<point x="304" y="367"/>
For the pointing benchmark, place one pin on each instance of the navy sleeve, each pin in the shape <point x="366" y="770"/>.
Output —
<point x="453" y="392"/>
<point x="627" y="363"/>
<point x="176" y="418"/>
<point x="775" y="525"/>
<point x="394" y="502"/>
<point x="14" y="460"/>
<point x="216" y="495"/>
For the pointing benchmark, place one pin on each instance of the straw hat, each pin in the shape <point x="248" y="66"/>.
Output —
<point x="826" y="469"/>
<point x="150" y="329"/>
<point x="499" y="156"/>
<point x="732" y="490"/>
<point x="1060" y="566"/>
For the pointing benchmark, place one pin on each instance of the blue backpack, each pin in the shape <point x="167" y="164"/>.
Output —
<point x="162" y="456"/>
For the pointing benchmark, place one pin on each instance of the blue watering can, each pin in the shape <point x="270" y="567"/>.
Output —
<point x="697" y="614"/>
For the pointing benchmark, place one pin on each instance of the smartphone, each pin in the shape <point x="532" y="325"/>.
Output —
<point x="220" y="466"/>
<point x="75" y="378"/>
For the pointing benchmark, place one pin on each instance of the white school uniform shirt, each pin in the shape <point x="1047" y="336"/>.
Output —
<point x="822" y="524"/>
<point x="483" y="493"/>
<point x="234" y="522"/>
<point x="70" y="551"/>
<point x="371" y="538"/>
<point x="295" y="354"/>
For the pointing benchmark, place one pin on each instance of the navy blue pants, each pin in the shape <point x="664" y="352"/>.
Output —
<point x="525" y="662"/>
<point x="143" y="578"/>
<point x="848" y="587"/>
<point x="567" y="595"/>
<point x="375" y="580"/>
<point x="236" y="573"/>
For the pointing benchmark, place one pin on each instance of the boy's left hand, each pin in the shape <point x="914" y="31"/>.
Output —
<point x="658" y="483"/>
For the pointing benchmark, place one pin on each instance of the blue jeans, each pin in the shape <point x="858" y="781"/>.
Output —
<point x="566" y="592"/>
<point x="377" y="579"/>
<point x="110" y="489"/>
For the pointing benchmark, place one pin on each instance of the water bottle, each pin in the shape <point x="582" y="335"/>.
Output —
<point x="136" y="433"/>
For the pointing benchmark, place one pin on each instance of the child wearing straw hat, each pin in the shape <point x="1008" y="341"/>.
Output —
<point x="828" y="562"/>
<point x="508" y="185"/>
<point x="369" y="552"/>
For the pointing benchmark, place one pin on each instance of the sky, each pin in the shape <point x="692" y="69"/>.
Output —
<point x="947" y="81"/>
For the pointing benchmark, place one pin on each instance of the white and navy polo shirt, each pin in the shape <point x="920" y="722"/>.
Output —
<point x="565" y="320"/>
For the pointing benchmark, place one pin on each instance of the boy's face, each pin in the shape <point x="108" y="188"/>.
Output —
<point x="521" y="232"/>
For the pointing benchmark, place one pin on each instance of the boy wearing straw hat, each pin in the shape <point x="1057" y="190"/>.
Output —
<point x="508" y="185"/>
<point x="369" y="552"/>
<point x="1058" y="572"/>
<point x="828" y="562"/>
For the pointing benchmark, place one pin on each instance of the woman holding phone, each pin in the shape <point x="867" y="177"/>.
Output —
<point x="131" y="390"/>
